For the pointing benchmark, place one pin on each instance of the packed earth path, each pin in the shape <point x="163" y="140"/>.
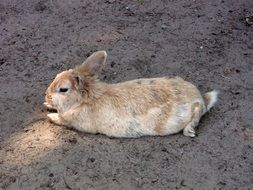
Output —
<point x="209" y="43"/>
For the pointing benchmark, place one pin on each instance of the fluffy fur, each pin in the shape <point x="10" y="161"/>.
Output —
<point x="154" y="106"/>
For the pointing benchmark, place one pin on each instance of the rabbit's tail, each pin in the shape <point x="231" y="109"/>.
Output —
<point x="210" y="99"/>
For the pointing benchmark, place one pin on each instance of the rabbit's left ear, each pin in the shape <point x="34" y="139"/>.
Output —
<point x="84" y="74"/>
<point x="96" y="60"/>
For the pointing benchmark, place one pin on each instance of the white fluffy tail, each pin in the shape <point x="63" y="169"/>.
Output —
<point x="210" y="99"/>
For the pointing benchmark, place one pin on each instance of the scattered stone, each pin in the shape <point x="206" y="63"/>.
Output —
<point x="110" y="1"/>
<point x="222" y="183"/>
<point x="90" y="162"/>
<point x="249" y="20"/>
<point x="112" y="64"/>
<point x="92" y="159"/>
<point x="239" y="26"/>
<point x="73" y="140"/>
<point x="182" y="183"/>
<point x="164" y="26"/>
<point x="228" y="70"/>
<point x="2" y="61"/>
<point x="27" y="99"/>
<point x="40" y="7"/>
<point x="26" y="130"/>
<point x="237" y="70"/>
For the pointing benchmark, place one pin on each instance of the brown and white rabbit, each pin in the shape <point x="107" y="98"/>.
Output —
<point x="154" y="106"/>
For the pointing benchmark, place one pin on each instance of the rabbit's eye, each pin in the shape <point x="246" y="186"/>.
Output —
<point x="63" y="89"/>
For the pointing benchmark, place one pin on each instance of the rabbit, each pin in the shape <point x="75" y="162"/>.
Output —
<point x="141" y="107"/>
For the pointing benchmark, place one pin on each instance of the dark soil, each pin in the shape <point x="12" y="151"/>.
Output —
<point x="207" y="42"/>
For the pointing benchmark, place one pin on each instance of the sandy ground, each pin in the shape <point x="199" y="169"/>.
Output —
<point x="209" y="43"/>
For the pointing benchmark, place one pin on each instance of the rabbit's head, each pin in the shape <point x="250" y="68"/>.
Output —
<point x="75" y="86"/>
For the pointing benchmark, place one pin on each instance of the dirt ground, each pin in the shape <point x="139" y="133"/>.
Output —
<point x="209" y="43"/>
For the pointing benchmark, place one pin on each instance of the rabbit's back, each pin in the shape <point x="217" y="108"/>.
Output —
<point x="142" y="94"/>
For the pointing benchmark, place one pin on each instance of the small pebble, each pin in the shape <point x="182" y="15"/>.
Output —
<point x="249" y="20"/>
<point x="164" y="26"/>
<point x="239" y="26"/>
<point x="73" y="140"/>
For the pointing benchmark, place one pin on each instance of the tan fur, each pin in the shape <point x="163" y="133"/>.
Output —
<point x="207" y="99"/>
<point x="156" y="106"/>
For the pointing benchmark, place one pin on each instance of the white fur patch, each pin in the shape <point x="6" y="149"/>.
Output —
<point x="213" y="95"/>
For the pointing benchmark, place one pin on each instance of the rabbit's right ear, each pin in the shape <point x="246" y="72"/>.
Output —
<point x="96" y="61"/>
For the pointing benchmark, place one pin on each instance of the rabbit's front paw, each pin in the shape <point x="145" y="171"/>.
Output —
<point x="54" y="117"/>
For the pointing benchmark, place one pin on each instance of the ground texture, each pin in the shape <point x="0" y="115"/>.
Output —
<point x="209" y="43"/>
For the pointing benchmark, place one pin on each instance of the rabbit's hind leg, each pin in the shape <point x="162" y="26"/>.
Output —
<point x="189" y="129"/>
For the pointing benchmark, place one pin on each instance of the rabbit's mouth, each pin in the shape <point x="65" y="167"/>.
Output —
<point x="50" y="108"/>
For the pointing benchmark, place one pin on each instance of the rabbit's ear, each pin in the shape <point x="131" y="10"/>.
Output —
<point x="84" y="74"/>
<point x="96" y="60"/>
